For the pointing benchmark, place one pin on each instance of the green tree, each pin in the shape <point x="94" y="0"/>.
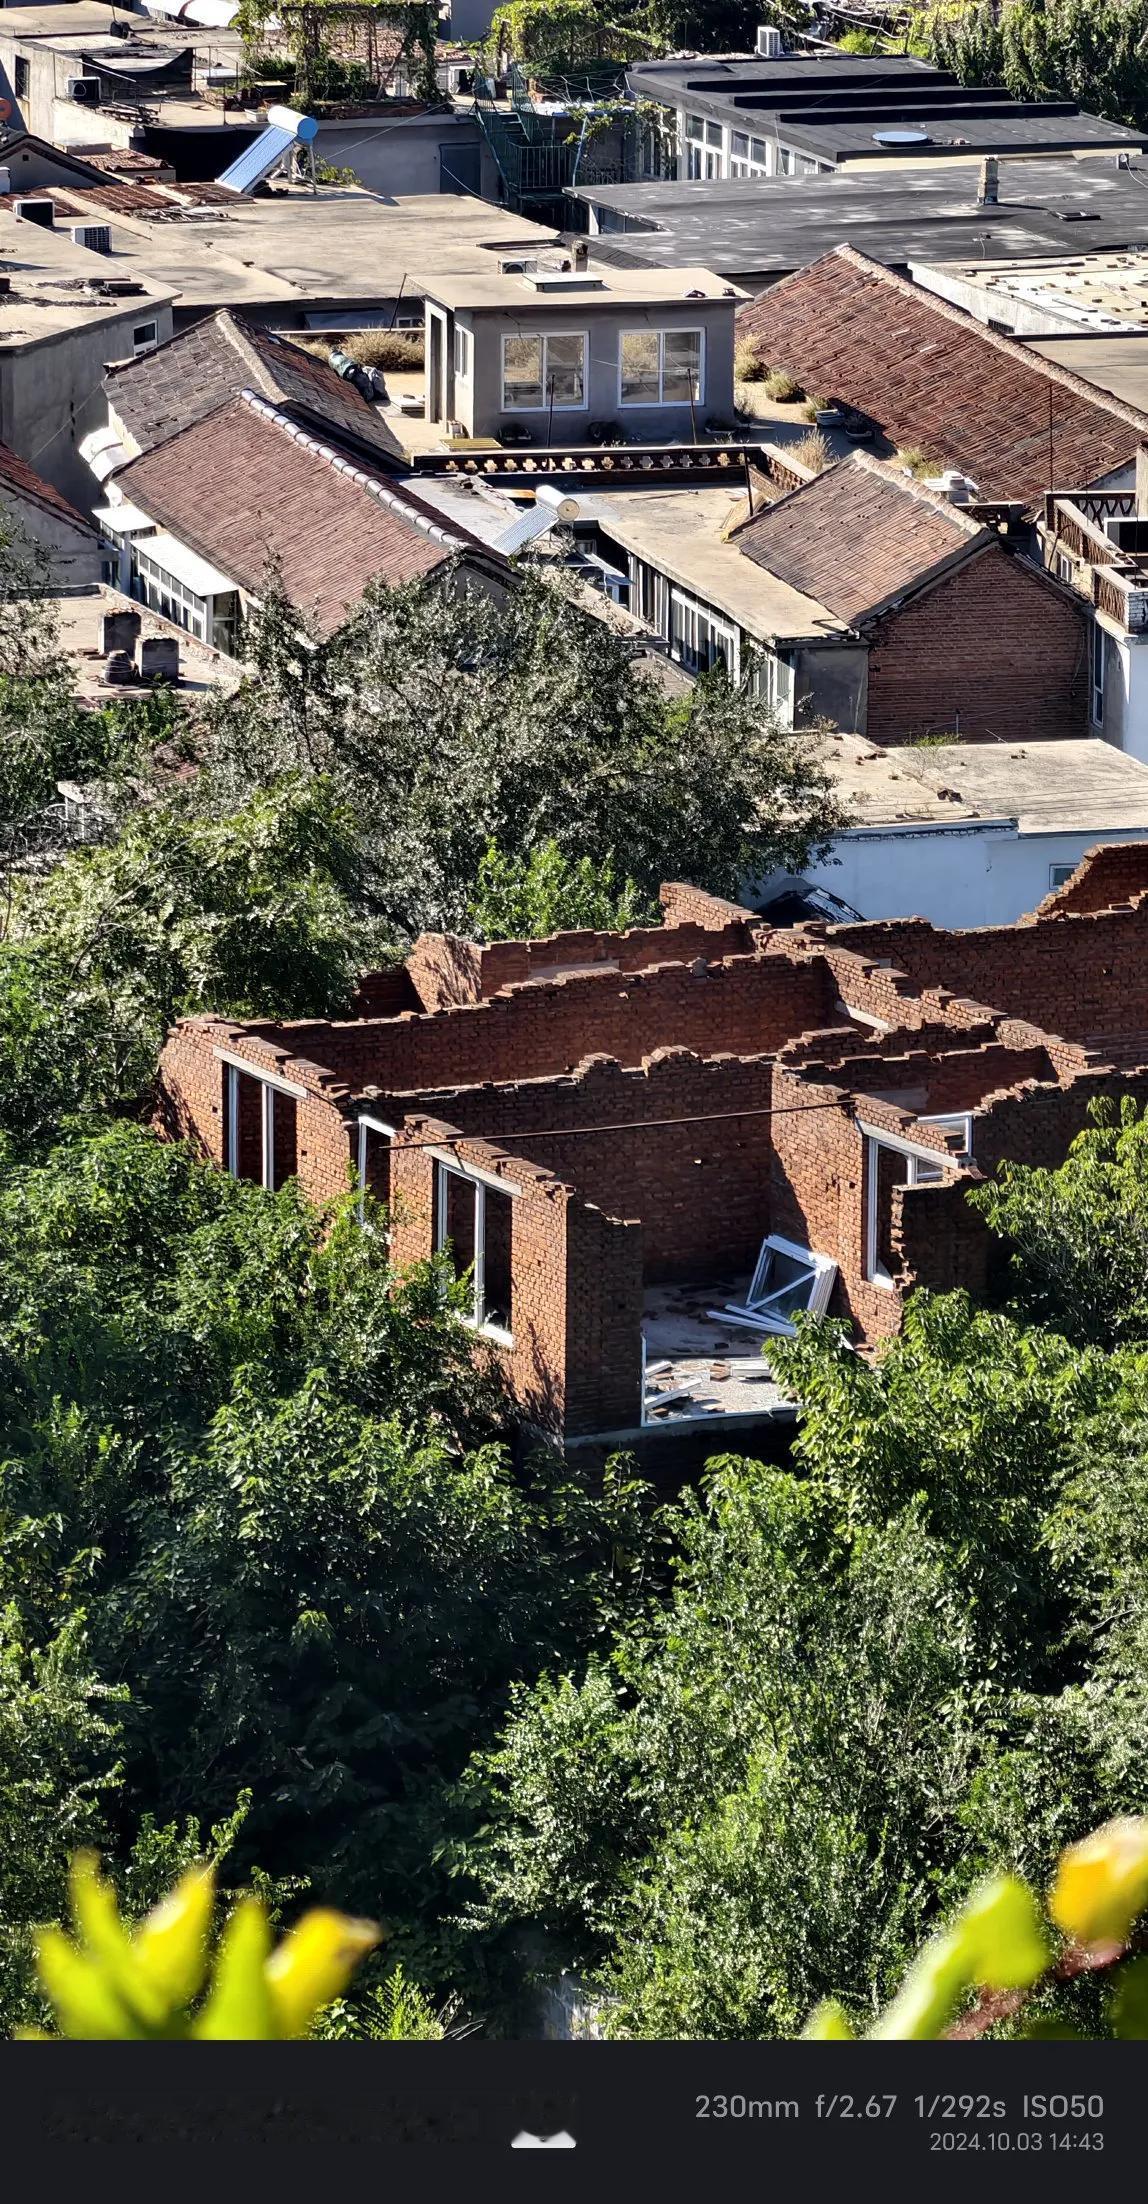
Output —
<point x="526" y="898"/>
<point x="1090" y="51"/>
<point x="447" y="722"/>
<point x="1077" y="1237"/>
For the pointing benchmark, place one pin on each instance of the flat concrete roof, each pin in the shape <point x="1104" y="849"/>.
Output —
<point x="1101" y="291"/>
<point x="76" y="27"/>
<point x="766" y="226"/>
<point x="1116" y="364"/>
<point x="680" y="532"/>
<point x="48" y="295"/>
<point x="287" y="251"/>
<point x="1071" y="787"/>
<point x="80" y="612"/>
<point x="484" y="288"/>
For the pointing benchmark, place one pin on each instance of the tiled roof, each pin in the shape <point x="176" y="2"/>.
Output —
<point x="20" y="481"/>
<point x="127" y="159"/>
<point x="153" y="202"/>
<point x="935" y="379"/>
<point x="857" y="536"/>
<point x="167" y="390"/>
<point x="246" y="484"/>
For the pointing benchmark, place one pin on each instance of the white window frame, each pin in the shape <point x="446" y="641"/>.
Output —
<point x="1060" y="875"/>
<point x="773" y="683"/>
<point x="446" y="1167"/>
<point x="271" y="1085"/>
<point x="926" y="1167"/>
<point x="1097" y="671"/>
<point x="141" y="343"/>
<point x="698" y="614"/>
<point x="636" y="329"/>
<point x="543" y="337"/>
<point x="460" y="353"/>
<point x="368" y="1124"/>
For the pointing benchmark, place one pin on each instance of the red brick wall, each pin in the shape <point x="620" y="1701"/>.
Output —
<point x="576" y="1304"/>
<point x="993" y="651"/>
<point x="1111" y="874"/>
<point x="446" y="970"/>
<point x="684" y="904"/>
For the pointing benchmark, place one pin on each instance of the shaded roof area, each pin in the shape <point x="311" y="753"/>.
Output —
<point x="168" y="390"/>
<point x="744" y="226"/>
<point x="858" y="535"/>
<point x="933" y="378"/>
<point x="20" y="481"/>
<point x="246" y="484"/>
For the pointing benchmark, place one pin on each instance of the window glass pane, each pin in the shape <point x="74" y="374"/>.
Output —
<point x="682" y="377"/>
<point x="757" y="150"/>
<point x="522" y="371"/>
<point x="694" y="128"/>
<point x="640" y="377"/>
<point x="713" y="134"/>
<point x="739" y="144"/>
<point x="564" y="370"/>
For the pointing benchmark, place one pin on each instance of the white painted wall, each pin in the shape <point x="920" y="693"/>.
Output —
<point x="985" y="876"/>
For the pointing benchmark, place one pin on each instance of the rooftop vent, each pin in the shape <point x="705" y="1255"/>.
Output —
<point x="899" y="139"/>
<point x="769" y="43"/>
<point x="40" y="211"/>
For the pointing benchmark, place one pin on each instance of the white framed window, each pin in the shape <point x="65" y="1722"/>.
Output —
<point x="1065" y="566"/>
<point x="784" y="161"/>
<point x="661" y="367"/>
<point x="161" y="592"/>
<point x="145" y="337"/>
<point x="698" y="639"/>
<point x="772" y="683"/>
<point x="891" y="1161"/>
<point x="473" y="1224"/>
<point x="274" y="1147"/>
<point x="375" y="1138"/>
<point x="1099" y="664"/>
<point x="461" y="353"/>
<point x="714" y="135"/>
<point x="544" y="370"/>
<point x="695" y="130"/>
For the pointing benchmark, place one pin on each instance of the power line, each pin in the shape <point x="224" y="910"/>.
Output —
<point x="631" y="1125"/>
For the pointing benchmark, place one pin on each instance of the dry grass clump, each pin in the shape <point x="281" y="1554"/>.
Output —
<point x="813" y="451"/>
<point x="402" y="350"/>
<point x="783" y="387"/>
<point x="916" y="462"/>
<point x="748" y="364"/>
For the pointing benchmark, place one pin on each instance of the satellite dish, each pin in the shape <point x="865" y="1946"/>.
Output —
<point x="901" y="137"/>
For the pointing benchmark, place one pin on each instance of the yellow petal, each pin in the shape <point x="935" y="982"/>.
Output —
<point x="239" y="2008"/>
<point x="314" y="1964"/>
<point x="828" y="2023"/>
<point x="82" y="1994"/>
<point x="170" y="1945"/>
<point x="1102" y="1883"/>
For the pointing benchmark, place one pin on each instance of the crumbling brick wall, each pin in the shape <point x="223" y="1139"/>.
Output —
<point x="993" y="650"/>
<point x="576" y="1299"/>
<point x="446" y="970"/>
<point x="1113" y="873"/>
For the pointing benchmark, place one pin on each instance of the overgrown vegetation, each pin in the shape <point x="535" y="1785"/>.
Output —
<point x="1092" y="51"/>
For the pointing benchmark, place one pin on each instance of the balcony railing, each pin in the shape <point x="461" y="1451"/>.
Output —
<point x="1115" y="581"/>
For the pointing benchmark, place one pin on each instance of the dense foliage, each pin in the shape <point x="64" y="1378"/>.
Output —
<point x="1090" y="51"/>
<point x="919" y="1660"/>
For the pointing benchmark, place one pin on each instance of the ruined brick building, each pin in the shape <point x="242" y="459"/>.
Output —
<point x="604" y="1129"/>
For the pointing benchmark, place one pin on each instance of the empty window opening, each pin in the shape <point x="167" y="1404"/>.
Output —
<point x="374" y="1162"/>
<point x="474" y="1226"/>
<point x="260" y="1129"/>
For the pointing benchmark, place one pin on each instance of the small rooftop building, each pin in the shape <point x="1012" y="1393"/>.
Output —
<point x="804" y="114"/>
<point x="541" y="345"/>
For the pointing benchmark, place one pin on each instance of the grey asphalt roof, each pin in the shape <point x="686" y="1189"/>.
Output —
<point x="764" y="227"/>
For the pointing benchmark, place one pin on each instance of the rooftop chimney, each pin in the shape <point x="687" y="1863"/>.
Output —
<point x="988" y="186"/>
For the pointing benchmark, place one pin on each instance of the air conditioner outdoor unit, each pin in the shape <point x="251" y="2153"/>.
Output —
<point x="85" y="91"/>
<point x="769" y="44"/>
<point x="96" y="237"/>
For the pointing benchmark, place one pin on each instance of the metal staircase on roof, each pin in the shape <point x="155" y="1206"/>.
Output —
<point x="539" y="156"/>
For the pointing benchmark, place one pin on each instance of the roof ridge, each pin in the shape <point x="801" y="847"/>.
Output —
<point x="418" y="516"/>
<point x="1053" y="372"/>
<point x="234" y="329"/>
<point x="898" y="479"/>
